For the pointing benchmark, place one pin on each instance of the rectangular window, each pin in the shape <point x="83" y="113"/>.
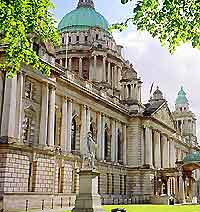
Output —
<point x="36" y="48"/>
<point x="113" y="184"/>
<point x="77" y="38"/>
<point x="108" y="184"/>
<point x="86" y="38"/>
<point x="60" y="180"/>
<point x="69" y="39"/>
<point x="121" y="179"/>
<point x="28" y="130"/>
<point x="32" y="176"/>
<point x="63" y="40"/>
<point x="125" y="182"/>
<point x="28" y="89"/>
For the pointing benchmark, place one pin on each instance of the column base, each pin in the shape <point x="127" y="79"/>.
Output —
<point x="85" y="203"/>
<point x="88" y="199"/>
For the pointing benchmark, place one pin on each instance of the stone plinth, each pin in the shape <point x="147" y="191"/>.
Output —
<point x="88" y="199"/>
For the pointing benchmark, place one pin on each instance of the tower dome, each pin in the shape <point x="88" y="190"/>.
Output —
<point x="83" y="18"/>
<point x="158" y="95"/>
<point x="181" y="98"/>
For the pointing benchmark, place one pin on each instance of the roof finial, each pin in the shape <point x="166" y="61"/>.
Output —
<point x="86" y="3"/>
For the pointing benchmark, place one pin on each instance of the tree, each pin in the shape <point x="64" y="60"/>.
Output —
<point x="19" y="19"/>
<point x="173" y="22"/>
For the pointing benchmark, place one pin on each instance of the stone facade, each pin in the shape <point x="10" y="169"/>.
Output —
<point x="44" y="122"/>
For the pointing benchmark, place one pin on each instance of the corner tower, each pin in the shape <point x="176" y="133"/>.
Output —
<point x="185" y="119"/>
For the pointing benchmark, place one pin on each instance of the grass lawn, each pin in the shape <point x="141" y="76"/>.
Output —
<point x="153" y="208"/>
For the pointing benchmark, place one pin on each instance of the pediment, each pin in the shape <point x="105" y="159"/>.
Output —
<point x="163" y="114"/>
<point x="129" y="74"/>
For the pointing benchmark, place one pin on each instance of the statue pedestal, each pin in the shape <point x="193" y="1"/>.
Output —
<point x="88" y="199"/>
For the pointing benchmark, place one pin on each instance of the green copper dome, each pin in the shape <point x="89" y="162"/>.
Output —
<point x="194" y="157"/>
<point x="181" y="99"/>
<point x="83" y="18"/>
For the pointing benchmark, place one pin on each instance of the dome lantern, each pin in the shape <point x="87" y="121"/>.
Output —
<point x="85" y="3"/>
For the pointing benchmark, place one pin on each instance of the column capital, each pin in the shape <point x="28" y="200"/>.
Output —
<point x="164" y="135"/>
<point x="52" y="87"/>
<point x="65" y="98"/>
<point x="69" y="100"/>
<point x="84" y="106"/>
<point x="98" y="113"/>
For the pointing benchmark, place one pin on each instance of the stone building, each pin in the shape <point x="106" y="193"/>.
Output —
<point x="44" y="122"/>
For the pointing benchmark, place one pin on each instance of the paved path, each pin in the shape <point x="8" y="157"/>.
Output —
<point x="49" y="210"/>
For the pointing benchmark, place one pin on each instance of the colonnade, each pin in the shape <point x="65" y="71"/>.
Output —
<point x="159" y="151"/>
<point x="108" y="72"/>
<point x="131" y="91"/>
<point x="66" y="125"/>
<point x="12" y="116"/>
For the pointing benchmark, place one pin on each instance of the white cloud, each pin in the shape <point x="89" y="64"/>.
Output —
<point x="170" y="72"/>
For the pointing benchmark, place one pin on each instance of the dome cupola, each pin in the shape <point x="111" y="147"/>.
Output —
<point x="182" y="103"/>
<point x="158" y="95"/>
<point x="83" y="18"/>
<point x="181" y="98"/>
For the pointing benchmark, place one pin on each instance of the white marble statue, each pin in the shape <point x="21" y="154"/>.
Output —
<point x="89" y="152"/>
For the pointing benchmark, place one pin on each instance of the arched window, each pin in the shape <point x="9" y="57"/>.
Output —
<point x="92" y="130"/>
<point x="73" y="135"/>
<point x="119" y="146"/>
<point x="106" y="142"/>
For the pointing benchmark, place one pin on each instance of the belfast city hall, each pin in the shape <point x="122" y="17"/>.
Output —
<point x="145" y="152"/>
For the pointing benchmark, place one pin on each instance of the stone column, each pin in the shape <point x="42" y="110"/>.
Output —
<point x="52" y="102"/>
<point x="95" y="68"/>
<point x="9" y="108"/>
<point x="99" y="136"/>
<point x="139" y="93"/>
<point x="124" y="145"/>
<point x="60" y="61"/>
<point x="148" y="146"/>
<point x="20" y="90"/>
<point x="172" y="154"/>
<point x="104" y="69"/>
<point x="176" y="188"/>
<point x="125" y="92"/>
<point x="119" y="77"/>
<point x="83" y="128"/>
<point x="113" y="147"/>
<point x="69" y="126"/>
<point x="109" y="72"/>
<point x="115" y="77"/>
<point x="81" y="67"/>
<point x="103" y="138"/>
<point x="165" y="152"/>
<point x="1" y="93"/>
<point x="64" y="124"/>
<point x="70" y="64"/>
<point x="132" y="92"/>
<point x="88" y="120"/>
<point x="157" y="152"/>
<point x="181" y="190"/>
<point x="44" y="115"/>
<point x="116" y="141"/>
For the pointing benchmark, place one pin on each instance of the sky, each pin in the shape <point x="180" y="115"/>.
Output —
<point x="152" y="62"/>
